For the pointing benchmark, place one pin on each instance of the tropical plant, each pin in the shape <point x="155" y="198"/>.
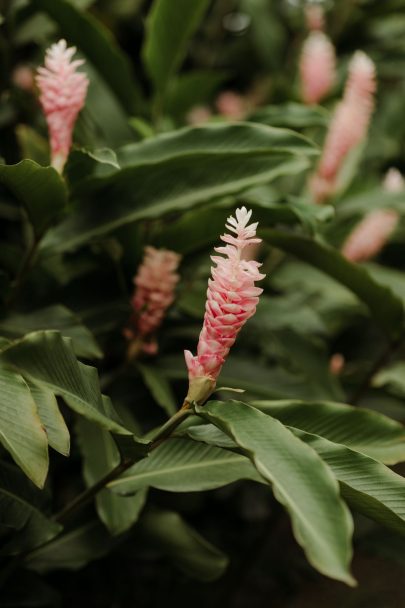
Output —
<point x="192" y="116"/>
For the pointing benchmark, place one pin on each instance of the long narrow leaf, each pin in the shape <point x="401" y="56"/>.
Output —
<point x="300" y="480"/>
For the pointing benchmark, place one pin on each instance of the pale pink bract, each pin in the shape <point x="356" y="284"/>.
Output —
<point x="198" y="115"/>
<point x="348" y="127"/>
<point x="62" y="95"/>
<point x="317" y="67"/>
<point x="394" y="181"/>
<point x="373" y="231"/>
<point x="232" y="298"/>
<point x="155" y="284"/>
<point x="370" y="235"/>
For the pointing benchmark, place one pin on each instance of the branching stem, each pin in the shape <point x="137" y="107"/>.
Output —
<point x="163" y="433"/>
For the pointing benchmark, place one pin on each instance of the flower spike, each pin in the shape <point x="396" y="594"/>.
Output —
<point x="62" y="95"/>
<point x="155" y="283"/>
<point x="317" y="67"/>
<point x="372" y="233"/>
<point x="232" y="298"/>
<point x="348" y="127"/>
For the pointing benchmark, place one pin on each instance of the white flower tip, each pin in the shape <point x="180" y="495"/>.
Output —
<point x="394" y="181"/>
<point x="243" y="215"/>
<point x="361" y="62"/>
<point x="317" y="40"/>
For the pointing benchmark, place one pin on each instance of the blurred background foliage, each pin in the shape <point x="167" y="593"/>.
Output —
<point x="69" y="251"/>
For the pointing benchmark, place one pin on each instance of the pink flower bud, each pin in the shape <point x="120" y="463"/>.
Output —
<point x="348" y="127"/>
<point x="198" y="115"/>
<point x="393" y="181"/>
<point x="232" y="298"/>
<point x="23" y="77"/>
<point x="62" y="95"/>
<point x="155" y="283"/>
<point x="317" y="67"/>
<point x="336" y="364"/>
<point x="232" y="105"/>
<point x="370" y="235"/>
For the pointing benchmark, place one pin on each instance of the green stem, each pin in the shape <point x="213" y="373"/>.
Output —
<point x="162" y="434"/>
<point x="24" y="270"/>
<point x="88" y="494"/>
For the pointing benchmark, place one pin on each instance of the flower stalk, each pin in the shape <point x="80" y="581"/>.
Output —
<point x="155" y="284"/>
<point x="232" y="297"/>
<point x="348" y="127"/>
<point x="62" y="95"/>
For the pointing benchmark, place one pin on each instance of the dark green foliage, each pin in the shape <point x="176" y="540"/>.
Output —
<point x="193" y="110"/>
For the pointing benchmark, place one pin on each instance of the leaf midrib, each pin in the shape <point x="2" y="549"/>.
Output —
<point x="171" y="470"/>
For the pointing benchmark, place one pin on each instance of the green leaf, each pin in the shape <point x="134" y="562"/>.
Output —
<point x="242" y="138"/>
<point x="51" y="419"/>
<point x="159" y="387"/>
<point x="292" y="115"/>
<point x="100" y="456"/>
<point x="33" y="146"/>
<point x="192" y="89"/>
<point x="300" y="481"/>
<point x="27" y="527"/>
<point x="369" y="199"/>
<point x="392" y="378"/>
<point x="21" y="431"/>
<point x="56" y="317"/>
<point x="103" y="121"/>
<point x="99" y="46"/>
<point x="201" y="227"/>
<point x="73" y="550"/>
<point x="362" y="430"/>
<point x="391" y="278"/>
<point x="169" y="27"/>
<point x="181" y="465"/>
<point x="303" y="356"/>
<point x="255" y="377"/>
<point x="41" y="190"/>
<point x="83" y="162"/>
<point x="368" y="486"/>
<point x="177" y="172"/>
<point x="47" y="359"/>
<point x="384" y="306"/>
<point x="336" y="305"/>
<point x="167" y="532"/>
<point x="210" y="434"/>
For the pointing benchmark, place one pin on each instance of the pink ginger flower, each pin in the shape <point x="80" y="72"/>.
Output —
<point x="232" y="298"/>
<point x="155" y="283"/>
<point x="62" y="95"/>
<point x="370" y="235"/>
<point x="348" y="127"/>
<point x="317" y="67"/>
